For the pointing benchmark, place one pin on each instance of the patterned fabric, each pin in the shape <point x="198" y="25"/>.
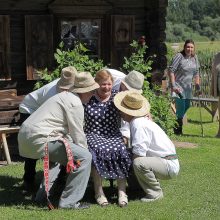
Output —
<point x="109" y="153"/>
<point x="184" y="70"/>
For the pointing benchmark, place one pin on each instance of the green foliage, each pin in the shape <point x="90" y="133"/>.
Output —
<point x="206" y="58"/>
<point x="194" y="194"/>
<point x="137" y="60"/>
<point x="160" y="108"/>
<point x="170" y="54"/>
<point x="160" y="104"/>
<point x="76" y="57"/>
<point x="202" y="18"/>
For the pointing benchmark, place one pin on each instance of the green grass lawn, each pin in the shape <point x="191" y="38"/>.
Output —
<point x="194" y="194"/>
<point x="209" y="45"/>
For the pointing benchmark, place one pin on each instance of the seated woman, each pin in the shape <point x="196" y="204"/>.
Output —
<point x="111" y="159"/>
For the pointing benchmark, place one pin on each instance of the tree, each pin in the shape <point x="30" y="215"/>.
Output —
<point x="201" y="17"/>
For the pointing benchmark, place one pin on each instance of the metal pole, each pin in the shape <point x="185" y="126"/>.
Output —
<point x="200" y="113"/>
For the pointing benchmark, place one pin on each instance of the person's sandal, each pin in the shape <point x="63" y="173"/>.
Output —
<point x="122" y="200"/>
<point x="101" y="200"/>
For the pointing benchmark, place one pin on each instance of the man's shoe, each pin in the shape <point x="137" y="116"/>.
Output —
<point x="80" y="205"/>
<point x="148" y="199"/>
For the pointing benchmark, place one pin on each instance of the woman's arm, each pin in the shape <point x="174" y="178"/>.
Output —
<point x="171" y="72"/>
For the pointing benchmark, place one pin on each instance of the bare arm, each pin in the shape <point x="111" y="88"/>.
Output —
<point x="197" y="79"/>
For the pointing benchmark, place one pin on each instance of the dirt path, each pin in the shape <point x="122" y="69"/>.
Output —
<point x="185" y="144"/>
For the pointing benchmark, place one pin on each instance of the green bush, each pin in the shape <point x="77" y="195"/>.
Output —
<point x="160" y="104"/>
<point x="137" y="60"/>
<point x="76" y="57"/>
<point x="160" y="108"/>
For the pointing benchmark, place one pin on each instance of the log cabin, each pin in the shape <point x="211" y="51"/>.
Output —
<point x="31" y="30"/>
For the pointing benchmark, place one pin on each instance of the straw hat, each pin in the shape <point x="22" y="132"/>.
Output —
<point x="67" y="78"/>
<point x="134" y="81"/>
<point x="132" y="103"/>
<point x="84" y="82"/>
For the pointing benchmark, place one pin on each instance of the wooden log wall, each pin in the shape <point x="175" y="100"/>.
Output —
<point x="149" y="21"/>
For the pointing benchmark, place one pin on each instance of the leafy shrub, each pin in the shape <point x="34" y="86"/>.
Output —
<point x="76" y="57"/>
<point x="160" y="108"/>
<point x="160" y="104"/>
<point x="137" y="60"/>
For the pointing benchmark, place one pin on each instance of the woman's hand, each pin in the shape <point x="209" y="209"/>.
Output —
<point x="125" y="139"/>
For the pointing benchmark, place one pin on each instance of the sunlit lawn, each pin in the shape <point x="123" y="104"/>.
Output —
<point x="195" y="194"/>
<point x="209" y="45"/>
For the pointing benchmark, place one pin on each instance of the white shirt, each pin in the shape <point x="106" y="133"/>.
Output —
<point x="118" y="76"/>
<point x="61" y="115"/>
<point x="35" y="99"/>
<point x="149" y="140"/>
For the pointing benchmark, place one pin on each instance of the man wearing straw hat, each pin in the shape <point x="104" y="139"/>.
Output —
<point x="154" y="153"/>
<point x="31" y="103"/>
<point x="55" y="133"/>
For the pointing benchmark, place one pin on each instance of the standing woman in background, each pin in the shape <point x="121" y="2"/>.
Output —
<point x="183" y="69"/>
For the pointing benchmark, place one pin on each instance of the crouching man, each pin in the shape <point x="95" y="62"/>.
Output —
<point x="55" y="133"/>
<point x="154" y="154"/>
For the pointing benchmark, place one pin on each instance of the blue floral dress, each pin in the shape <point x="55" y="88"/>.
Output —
<point x="102" y="122"/>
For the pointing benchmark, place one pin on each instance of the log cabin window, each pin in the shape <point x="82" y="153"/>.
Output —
<point x="86" y="31"/>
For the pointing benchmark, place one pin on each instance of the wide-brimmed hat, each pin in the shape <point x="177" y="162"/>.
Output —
<point x="84" y="82"/>
<point x="67" y="78"/>
<point x="134" y="81"/>
<point x="132" y="103"/>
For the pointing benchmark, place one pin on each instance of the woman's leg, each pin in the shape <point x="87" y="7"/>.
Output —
<point x="121" y="185"/>
<point x="122" y="197"/>
<point x="180" y="107"/>
<point x="180" y="111"/>
<point x="97" y="182"/>
<point x="99" y="193"/>
<point x="187" y="105"/>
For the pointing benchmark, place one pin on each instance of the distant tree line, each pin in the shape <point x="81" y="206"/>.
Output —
<point x="196" y="19"/>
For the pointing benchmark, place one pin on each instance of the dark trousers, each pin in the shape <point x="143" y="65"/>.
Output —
<point x="29" y="170"/>
<point x="29" y="164"/>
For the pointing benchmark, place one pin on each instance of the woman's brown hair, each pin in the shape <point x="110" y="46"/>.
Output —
<point x="189" y="41"/>
<point x="103" y="75"/>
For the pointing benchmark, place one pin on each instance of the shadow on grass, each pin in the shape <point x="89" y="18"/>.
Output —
<point x="198" y="122"/>
<point x="12" y="191"/>
<point x="198" y="135"/>
<point x="134" y="192"/>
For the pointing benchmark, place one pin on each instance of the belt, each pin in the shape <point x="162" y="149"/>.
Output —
<point x="170" y="157"/>
<point x="71" y="165"/>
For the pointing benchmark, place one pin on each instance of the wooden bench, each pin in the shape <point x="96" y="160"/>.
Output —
<point x="205" y="103"/>
<point x="9" y="118"/>
<point x="4" y="130"/>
